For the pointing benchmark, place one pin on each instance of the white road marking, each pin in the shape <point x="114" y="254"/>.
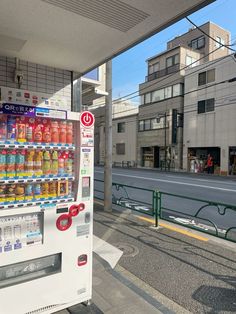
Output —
<point x="173" y="182"/>
<point x="196" y="179"/>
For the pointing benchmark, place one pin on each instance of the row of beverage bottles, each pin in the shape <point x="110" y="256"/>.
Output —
<point x="28" y="163"/>
<point x="24" y="192"/>
<point x="35" y="130"/>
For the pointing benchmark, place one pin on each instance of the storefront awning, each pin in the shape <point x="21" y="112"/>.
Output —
<point x="79" y="35"/>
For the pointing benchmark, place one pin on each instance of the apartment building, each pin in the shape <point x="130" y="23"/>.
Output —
<point x="160" y="118"/>
<point x="210" y="115"/>
<point x="124" y="134"/>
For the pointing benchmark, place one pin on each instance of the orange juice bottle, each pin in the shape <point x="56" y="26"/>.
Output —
<point x="54" y="132"/>
<point x="62" y="132"/>
<point x="69" y="132"/>
<point x="38" y="134"/>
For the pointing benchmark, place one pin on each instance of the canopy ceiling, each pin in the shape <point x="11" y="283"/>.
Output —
<point x="79" y="35"/>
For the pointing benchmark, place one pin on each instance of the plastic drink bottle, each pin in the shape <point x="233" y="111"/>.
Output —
<point x="46" y="163"/>
<point x="61" y="164"/>
<point x="11" y="128"/>
<point x="62" y="132"/>
<point x="38" y="135"/>
<point x="3" y="128"/>
<point x="69" y="164"/>
<point x="45" y="189"/>
<point x="54" y="132"/>
<point x="29" y="194"/>
<point x="37" y="191"/>
<point x="20" y="130"/>
<point x="55" y="162"/>
<point x="29" y="163"/>
<point x="2" y="193"/>
<point x="10" y="193"/>
<point x="69" y="133"/>
<point x="53" y="189"/>
<point x="20" y="162"/>
<point x="3" y="155"/>
<point x="38" y="163"/>
<point x="11" y="163"/>
<point x="20" y="192"/>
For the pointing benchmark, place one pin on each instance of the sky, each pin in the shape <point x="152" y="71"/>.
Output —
<point x="129" y="69"/>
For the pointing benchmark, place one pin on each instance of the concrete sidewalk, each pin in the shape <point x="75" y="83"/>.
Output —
<point x="117" y="291"/>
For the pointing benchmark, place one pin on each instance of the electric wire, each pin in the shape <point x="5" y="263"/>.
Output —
<point x="209" y="36"/>
<point x="205" y="87"/>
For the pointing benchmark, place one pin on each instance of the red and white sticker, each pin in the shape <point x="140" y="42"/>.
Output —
<point x="87" y="119"/>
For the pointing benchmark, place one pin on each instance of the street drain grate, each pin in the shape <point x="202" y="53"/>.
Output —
<point x="128" y="250"/>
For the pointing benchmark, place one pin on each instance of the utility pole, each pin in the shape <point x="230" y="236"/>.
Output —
<point x="165" y="140"/>
<point x="108" y="140"/>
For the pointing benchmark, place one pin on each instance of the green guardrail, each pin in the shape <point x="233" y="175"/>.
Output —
<point x="131" y="197"/>
<point x="214" y="218"/>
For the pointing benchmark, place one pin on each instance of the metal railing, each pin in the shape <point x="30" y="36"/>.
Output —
<point x="158" y="74"/>
<point x="214" y="218"/>
<point x="130" y="197"/>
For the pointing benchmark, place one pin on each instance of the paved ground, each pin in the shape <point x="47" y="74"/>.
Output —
<point x="198" y="275"/>
<point x="161" y="271"/>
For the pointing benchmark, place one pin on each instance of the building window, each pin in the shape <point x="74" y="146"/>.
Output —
<point x="147" y="124"/>
<point x="198" y="43"/>
<point x="121" y="127"/>
<point x="152" y="68"/>
<point x="158" y="95"/>
<point x="142" y="100"/>
<point x="147" y="98"/>
<point x="206" y="105"/>
<point x="120" y="149"/>
<point x="168" y="92"/>
<point x="152" y="124"/>
<point x="141" y="125"/>
<point x="220" y="42"/>
<point x="190" y="61"/>
<point x="177" y="90"/>
<point x="206" y="77"/>
<point x="172" y="60"/>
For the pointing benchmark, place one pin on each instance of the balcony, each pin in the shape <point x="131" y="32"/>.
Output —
<point x="158" y="74"/>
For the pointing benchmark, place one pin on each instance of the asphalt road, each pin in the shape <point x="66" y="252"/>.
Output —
<point x="205" y="187"/>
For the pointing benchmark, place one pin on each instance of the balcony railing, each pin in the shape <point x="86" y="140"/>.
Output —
<point x="166" y="71"/>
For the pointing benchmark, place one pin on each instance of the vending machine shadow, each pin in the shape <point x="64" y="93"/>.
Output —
<point x="46" y="208"/>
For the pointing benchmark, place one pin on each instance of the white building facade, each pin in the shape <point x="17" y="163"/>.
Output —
<point x="210" y="115"/>
<point x="124" y="134"/>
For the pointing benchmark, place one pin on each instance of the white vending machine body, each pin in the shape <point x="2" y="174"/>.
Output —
<point x="46" y="239"/>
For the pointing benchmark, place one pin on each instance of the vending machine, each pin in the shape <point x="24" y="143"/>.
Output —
<point x="46" y="208"/>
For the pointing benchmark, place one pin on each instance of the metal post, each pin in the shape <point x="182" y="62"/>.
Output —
<point x="165" y="141"/>
<point x="77" y="95"/>
<point x="108" y="140"/>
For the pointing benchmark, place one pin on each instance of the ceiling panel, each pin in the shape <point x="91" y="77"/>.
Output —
<point x="79" y="35"/>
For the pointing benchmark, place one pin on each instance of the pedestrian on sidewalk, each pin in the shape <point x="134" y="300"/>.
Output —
<point x="210" y="165"/>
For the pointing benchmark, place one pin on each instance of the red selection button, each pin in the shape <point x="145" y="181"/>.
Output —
<point x="87" y="119"/>
<point x="63" y="222"/>
<point x="75" y="209"/>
